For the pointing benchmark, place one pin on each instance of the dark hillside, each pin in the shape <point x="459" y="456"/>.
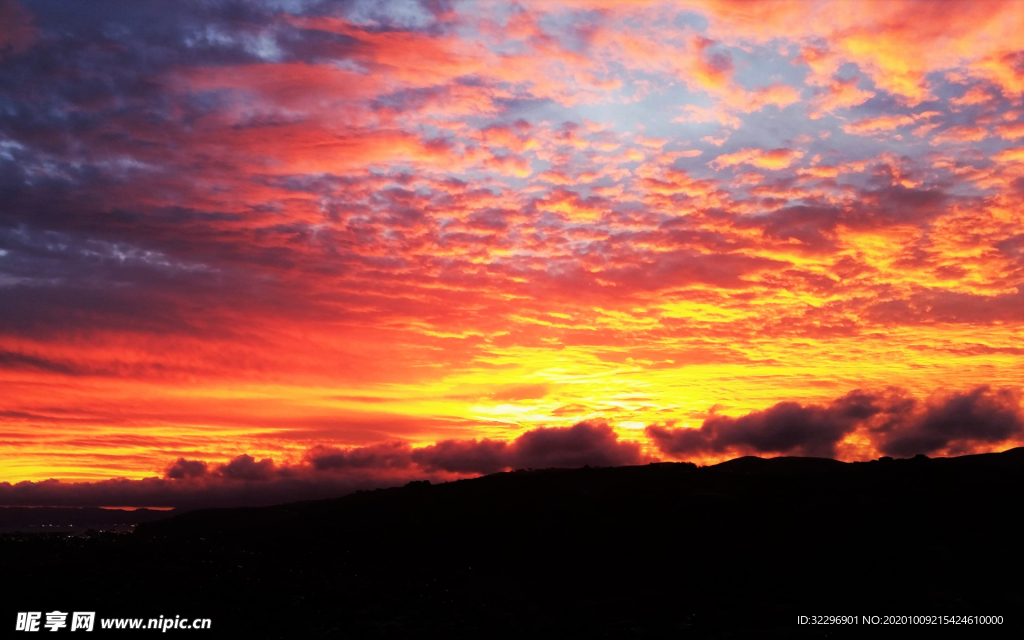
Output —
<point x="665" y="550"/>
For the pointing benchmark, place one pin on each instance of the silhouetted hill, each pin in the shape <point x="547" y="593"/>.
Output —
<point x="738" y="549"/>
<point x="784" y="465"/>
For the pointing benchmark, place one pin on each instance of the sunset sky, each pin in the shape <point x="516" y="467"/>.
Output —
<point x="255" y="251"/>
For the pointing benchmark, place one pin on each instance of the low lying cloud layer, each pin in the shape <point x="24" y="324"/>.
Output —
<point x="331" y="472"/>
<point x="583" y="444"/>
<point x="894" y="422"/>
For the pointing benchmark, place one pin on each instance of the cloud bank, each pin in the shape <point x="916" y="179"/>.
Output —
<point x="332" y="472"/>
<point x="896" y="424"/>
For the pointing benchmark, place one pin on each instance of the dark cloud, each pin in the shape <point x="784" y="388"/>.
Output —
<point x="464" y="456"/>
<point x="928" y="306"/>
<point x="14" y="360"/>
<point x="594" y="444"/>
<point x="245" y="467"/>
<point x="895" y="422"/>
<point x="685" y="267"/>
<point x="896" y="205"/>
<point x="585" y="443"/>
<point x="813" y="227"/>
<point x="787" y="427"/>
<point x="954" y="423"/>
<point x="183" y="468"/>
<point x="392" y="455"/>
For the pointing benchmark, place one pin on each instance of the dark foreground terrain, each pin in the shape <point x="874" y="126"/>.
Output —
<point x="73" y="519"/>
<point x="736" y="550"/>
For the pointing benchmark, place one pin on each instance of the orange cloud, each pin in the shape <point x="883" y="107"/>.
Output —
<point x="881" y="123"/>
<point x="773" y="159"/>
<point x="1013" y="131"/>
<point x="959" y="133"/>
<point x="779" y="95"/>
<point x="975" y="95"/>
<point x="839" y="94"/>
<point x="1010" y="155"/>
<point x="822" y="171"/>
<point x="1004" y="68"/>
